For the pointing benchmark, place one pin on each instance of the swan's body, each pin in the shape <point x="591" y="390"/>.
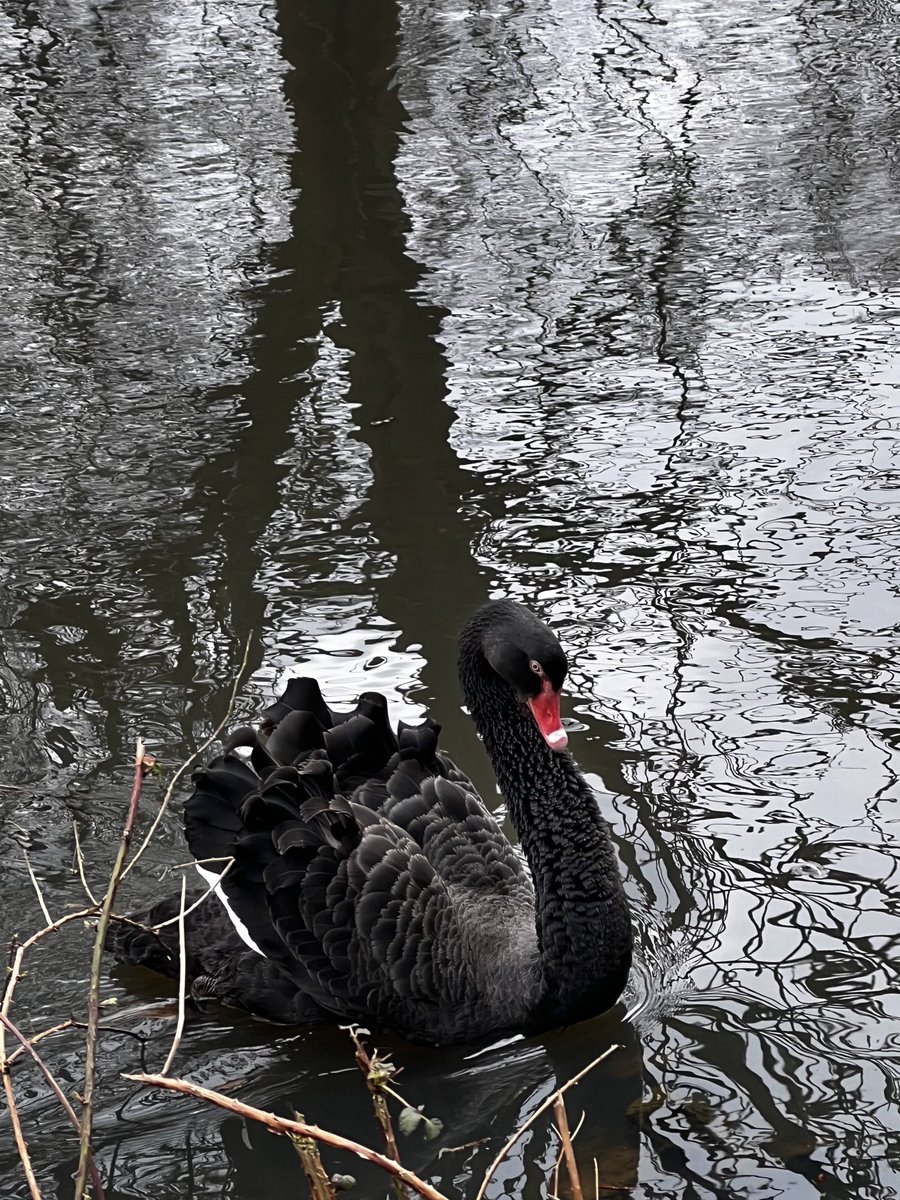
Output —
<point x="371" y="884"/>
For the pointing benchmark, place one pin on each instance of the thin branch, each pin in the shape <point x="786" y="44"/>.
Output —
<point x="90" y="1041"/>
<point x="15" y="967"/>
<point x="13" y="977"/>
<point x="37" y="1037"/>
<point x="37" y="888"/>
<point x="79" y="858"/>
<point x="182" y="983"/>
<point x="212" y="887"/>
<point x="28" y="1047"/>
<point x="21" y="1144"/>
<point x="297" y="1128"/>
<point x="195" y="862"/>
<point x="377" y="1071"/>
<point x="577" y="1129"/>
<point x="541" y="1108"/>
<point x="189" y="762"/>
<point x="103" y="1027"/>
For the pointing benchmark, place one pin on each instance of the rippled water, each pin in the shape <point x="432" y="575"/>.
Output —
<point x="327" y="320"/>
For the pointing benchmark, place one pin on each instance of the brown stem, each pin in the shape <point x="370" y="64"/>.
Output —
<point x="28" y="1047"/>
<point x="90" y="1044"/>
<point x="383" y="1117"/>
<point x="283" y="1125"/>
<point x="308" y="1152"/>
<point x="562" y="1124"/>
<point x="377" y="1072"/>
<point x="39" y="1037"/>
<point x="541" y="1108"/>
<point x="21" y="1144"/>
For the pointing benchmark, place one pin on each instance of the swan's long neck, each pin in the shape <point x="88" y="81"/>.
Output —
<point x="581" y="913"/>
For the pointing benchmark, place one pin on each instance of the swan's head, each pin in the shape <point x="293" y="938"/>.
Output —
<point x="527" y="655"/>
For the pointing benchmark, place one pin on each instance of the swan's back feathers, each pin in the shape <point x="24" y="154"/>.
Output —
<point x="364" y="865"/>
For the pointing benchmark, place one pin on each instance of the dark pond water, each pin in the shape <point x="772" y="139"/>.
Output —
<point x="328" y="320"/>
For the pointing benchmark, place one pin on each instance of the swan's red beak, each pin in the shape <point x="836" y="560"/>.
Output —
<point x="545" y="710"/>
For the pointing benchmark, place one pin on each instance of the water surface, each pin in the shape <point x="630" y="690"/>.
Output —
<point x="329" y="320"/>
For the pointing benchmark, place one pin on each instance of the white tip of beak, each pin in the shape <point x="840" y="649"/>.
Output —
<point x="558" y="739"/>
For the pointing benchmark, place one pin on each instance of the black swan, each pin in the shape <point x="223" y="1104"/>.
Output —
<point x="370" y="883"/>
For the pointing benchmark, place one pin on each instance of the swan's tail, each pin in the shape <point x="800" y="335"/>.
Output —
<point x="263" y="819"/>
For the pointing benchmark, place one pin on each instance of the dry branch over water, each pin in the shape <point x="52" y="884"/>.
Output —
<point x="296" y="1128"/>
<point x="141" y="765"/>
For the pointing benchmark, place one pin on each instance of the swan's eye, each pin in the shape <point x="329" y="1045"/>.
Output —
<point x="536" y="667"/>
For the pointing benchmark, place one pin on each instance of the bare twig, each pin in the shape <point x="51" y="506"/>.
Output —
<point x="541" y="1108"/>
<point x="229" y="863"/>
<point x="182" y="984"/>
<point x="21" y="1144"/>
<point x="562" y="1124"/>
<point x="283" y="1125"/>
<point x="196" y="862"/>
<point x="189" y="762"/>
<point x="15" y="966"/>
<point x="79" y="858"/>
<point x="90" y="1042"/>
<point x="38" y="1037"/>
<point x="378" y="1072"/>
<point x="28" y="1048"/>
<point x="119" y="1029"/>
<point x="15" y="974"/>
<point x="37" y="889"/>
